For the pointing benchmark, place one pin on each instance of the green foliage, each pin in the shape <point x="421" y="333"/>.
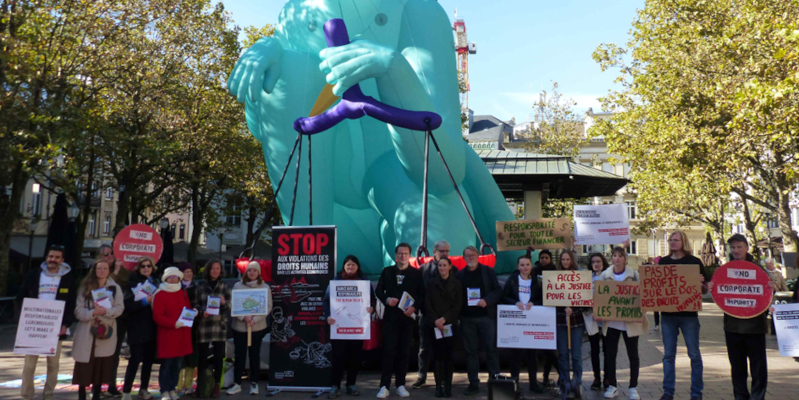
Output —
<point x="708" y="107"/>
<point x="559" y="129"/>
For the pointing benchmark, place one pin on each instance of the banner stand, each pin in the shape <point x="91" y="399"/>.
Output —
<point x="273" y="390"/>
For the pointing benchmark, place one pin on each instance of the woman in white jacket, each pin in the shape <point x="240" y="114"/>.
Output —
<point x="251" y="280"/>
<point x="96" y="334"/>
<point x="614" y="330"/>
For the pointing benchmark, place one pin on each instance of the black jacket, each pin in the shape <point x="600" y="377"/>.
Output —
<point x="538" y="269"/>
<point x="429" y="271"/>
<point x="756" y="325"/>
<point x="493" y="291"/>
<point x="443" y="299"/>
<point x="387" y="286"/>
<point x="141" y="328"/>
<point x="510" y="293"/>
<point x="67" y="292"/>
<point x="338" y="277"/>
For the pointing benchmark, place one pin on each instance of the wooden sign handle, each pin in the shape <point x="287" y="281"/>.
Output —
<point x="249" y="335"/>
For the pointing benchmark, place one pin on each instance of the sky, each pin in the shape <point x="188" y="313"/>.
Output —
<point x="522" y="46"/>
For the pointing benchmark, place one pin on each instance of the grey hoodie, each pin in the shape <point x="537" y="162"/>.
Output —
<point x="49" y="282"/>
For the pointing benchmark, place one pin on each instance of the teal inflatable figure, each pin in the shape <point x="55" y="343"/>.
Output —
<point x="368" y="175"/>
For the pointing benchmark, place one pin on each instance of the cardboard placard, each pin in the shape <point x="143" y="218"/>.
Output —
<point x="670" y="288"/>
<point x="547" y="233"/>
<point x="618" y="301"/>
<point x="567" y="288"/>
<point x="39" y="326"/>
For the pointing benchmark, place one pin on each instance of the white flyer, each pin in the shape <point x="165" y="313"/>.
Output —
<point x="443" y="333"/>
<point x="603" y="224"/>
<point x="212" y="305"/>
<point x="187" y="316"/>
<point x="406" y="301"/>
<point x="102" y="297"/>
<point x="39" y="326"/>
<point x="348" y="303"/>
<point x="530" y="329"/>
<point x="786" y="323"/>
<point x="472" y="296"/>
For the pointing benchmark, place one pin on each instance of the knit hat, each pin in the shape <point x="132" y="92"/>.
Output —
<point x="172" y="271"/>
<point x="253" y="265"/>
<point x="184" y="266"/>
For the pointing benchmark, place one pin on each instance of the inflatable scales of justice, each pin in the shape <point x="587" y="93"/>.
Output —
<point x="368" y="175"/>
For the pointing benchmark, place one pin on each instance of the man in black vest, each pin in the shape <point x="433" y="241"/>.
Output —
<point x="478" y="318"/>
<point x="426" y="336"/>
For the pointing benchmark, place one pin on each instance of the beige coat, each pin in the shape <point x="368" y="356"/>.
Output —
<point x="84" y="307"/>
<point x="633" y="328"/>
<point x="259" y="320"/>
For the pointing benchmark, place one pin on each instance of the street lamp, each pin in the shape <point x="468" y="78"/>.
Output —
<point x="33" y="224"/>
<point x="73" y="211"/>
<point x="164" y="224"/>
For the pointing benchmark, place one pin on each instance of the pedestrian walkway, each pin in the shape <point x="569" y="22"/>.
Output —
<point x="783" y="382"/>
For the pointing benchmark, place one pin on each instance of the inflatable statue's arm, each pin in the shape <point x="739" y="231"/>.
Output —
<point x="257" y="69"/>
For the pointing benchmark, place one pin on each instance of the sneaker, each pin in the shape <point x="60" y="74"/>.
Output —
<point x="612" y="392"/>
<point x="144" y="394"/>
<point x="550" y="384"/>
<point x="402" y="392"/>
<point x="472" y="389"/>
<point x="383" y="393"/>
<point x="253" y="388"/>
<point x="335" y="392"/>
<point x="353" y="391"/>
<point x="634" y="394"/>
<point x="236" y="388"/>
<point x="173" y="395"/>
<point x="668" y="397"/>
<point x="126" y="396"/>
<point x="419" y="383"/>
<point x="113" y="392"/>
<point x="657" y="327"/>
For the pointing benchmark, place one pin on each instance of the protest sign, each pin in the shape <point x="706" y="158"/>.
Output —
<point x="605" y="224"/>
<point x="244" y="302"/>
<point x="670" y="288"/>
<point x="136" y="241"/>
<point x="529" y="329"/>
<point x="567" y="288"/>
<point x="39" y="326"/>
<point x="303" y="262"/>
<point x="348" y="303"/>
<point x="545" y="233"/>
<point x="740" y="289"/>
<point x="786" y="324"/>
<point x="618" y="301"/>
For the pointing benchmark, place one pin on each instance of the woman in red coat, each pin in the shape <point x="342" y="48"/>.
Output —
<point x="174" y="338"/>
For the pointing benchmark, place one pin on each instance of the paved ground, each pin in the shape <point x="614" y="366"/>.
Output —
<point x="783" y="382"/>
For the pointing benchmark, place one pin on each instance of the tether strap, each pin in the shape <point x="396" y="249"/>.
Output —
<point x="296" y="184"/>
<point x="310" y="185"/>
<point x="422" y="249"/>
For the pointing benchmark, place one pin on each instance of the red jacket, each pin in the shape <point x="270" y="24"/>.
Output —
<point x="166" y="311"/>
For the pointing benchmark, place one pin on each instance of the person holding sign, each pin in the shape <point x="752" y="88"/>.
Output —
<point x="173" y="336"/>
<point x="53" y="280"/>
<point x="570" y="327"/>
<point x="746" y="337"/>
<point x="478" y="319"/>
<point x="443" y="303"/>
<point x="426" y="338"/>
<point x="544" y="263"/>
<point x="519" y="290"/>
<point x="687" y="321"/>
<point x="257" y="326"/>
<point x="211" y="324"/>
<point x="614" y="330"/>
<point x="346" y="353"/>
<point x="396" y="282"/>
<point x="598" y="264"/>
<point x="96" y="335"/>
<point x="141" y="328"/>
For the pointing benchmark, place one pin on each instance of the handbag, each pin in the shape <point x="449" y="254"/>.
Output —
<point x="101" y="330"/>
<point x="376" y="334"/>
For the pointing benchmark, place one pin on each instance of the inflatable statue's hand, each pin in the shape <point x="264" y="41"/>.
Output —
<point x="257" y="69"/>
<point x="353" y="63"/>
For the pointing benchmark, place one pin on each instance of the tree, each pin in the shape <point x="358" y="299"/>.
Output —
<point x="709" y="98"/>
<point x="557" y="128"/>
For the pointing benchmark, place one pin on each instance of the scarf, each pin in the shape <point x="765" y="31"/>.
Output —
<point x="346" y="276"/>
<point x="170" y="287"/>
<point x="252" y="284"/>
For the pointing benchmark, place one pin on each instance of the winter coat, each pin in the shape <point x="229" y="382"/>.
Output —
<point x="84" y="307"/>
<point x="388" y="286"/>
<point x="214" y="327"/>
<point x="238" y="323"/>
<point x="633" y="328"/>
<point x="167" y="306"/>
<point x="141" y="328"/>
<point x="510" y="293"/>
<point x="493" y="290"/>
<point x="66" y="290"/>
<point x="443" y="299"/>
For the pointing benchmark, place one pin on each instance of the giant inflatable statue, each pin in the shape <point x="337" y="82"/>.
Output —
<point x="367" y="174"/>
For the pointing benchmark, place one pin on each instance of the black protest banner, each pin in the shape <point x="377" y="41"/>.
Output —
<point x="303" y="263"/>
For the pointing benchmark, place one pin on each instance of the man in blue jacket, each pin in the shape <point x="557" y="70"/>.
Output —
<point x="478" y="318"/>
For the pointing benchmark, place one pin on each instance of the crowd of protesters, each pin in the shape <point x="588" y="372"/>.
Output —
<point x="461" y="302"/>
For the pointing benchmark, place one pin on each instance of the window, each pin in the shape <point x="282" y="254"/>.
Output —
<point x="633" y="246"/>
<point x="36" y="200"/>
<point x="107" y="224"/>
<point x="93" y="224"/>
<point x="632" y="210"/>
<point x="234" y="218"/>
<point x="651" y="247"/>
<point x="773" y="223"/>
<point x="182" y="232"/>
<point x="109" y="193"/>
<point x="95" y="191"/>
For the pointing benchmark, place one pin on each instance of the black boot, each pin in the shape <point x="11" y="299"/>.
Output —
<point x="449" y="369"/>
<point x="81" y="392"/>
<point x="439" y="374"/>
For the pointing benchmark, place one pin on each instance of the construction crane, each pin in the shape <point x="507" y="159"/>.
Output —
<point x="463" y="48"/>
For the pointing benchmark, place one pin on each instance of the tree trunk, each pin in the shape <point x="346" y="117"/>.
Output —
<point x="123" y="207"/>
<point x="252" y="216"/>
<point x="751" y="230"/>
<point x="9" y="212"/>
<point x="790" y="242"/>
<point x="196" y="220"/>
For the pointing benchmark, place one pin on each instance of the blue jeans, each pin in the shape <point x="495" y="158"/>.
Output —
<point x="168" y="373"/>
<point x="671" y="326"/>
<point x="576" y="355"/>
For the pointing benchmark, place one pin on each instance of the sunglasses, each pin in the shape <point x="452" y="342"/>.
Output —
<point x="146" y="266"/>
<point x="107" y="254"/>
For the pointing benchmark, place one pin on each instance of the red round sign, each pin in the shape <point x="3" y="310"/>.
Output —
<point x="136" y="241"/>
<point x="740" y="288"/>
